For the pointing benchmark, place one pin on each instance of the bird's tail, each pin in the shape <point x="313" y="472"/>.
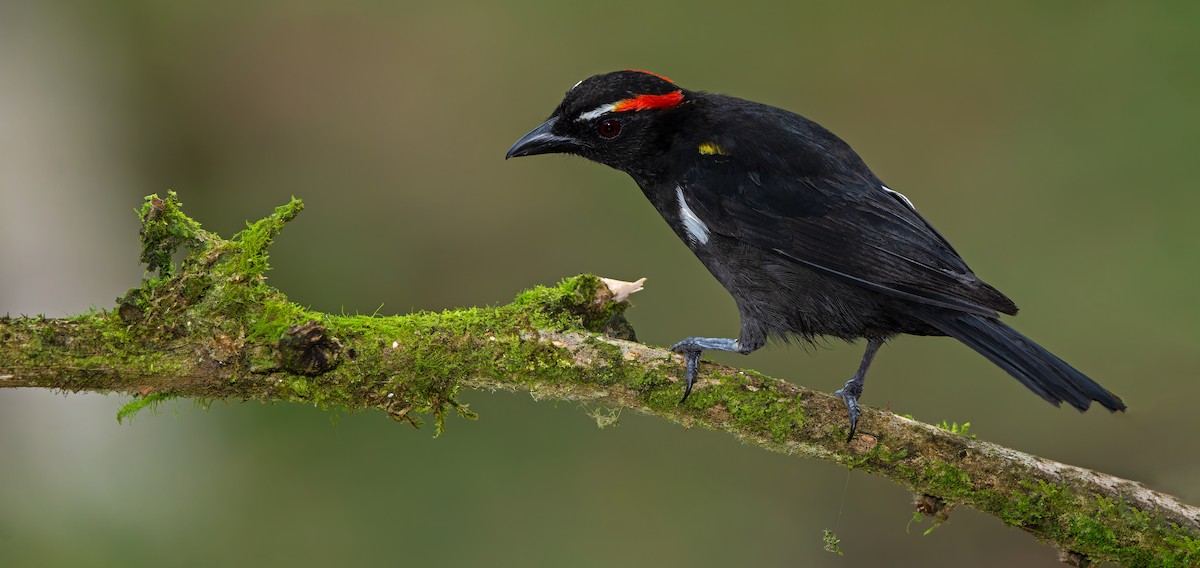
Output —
<point x="1038" y="369"/>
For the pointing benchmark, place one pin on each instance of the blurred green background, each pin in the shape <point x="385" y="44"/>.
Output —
<point x="1054" y="143"/>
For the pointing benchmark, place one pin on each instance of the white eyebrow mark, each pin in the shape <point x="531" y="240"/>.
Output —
<point x="901" y="196"/>
<point x="696" y="229"/>
<point x="575" y="85"/>
<point x="598" y="111"/>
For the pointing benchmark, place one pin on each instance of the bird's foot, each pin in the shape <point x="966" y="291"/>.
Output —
<point x="691" y="356"/>
<point x="692" y="347"/>
<point x="850" y="394"/>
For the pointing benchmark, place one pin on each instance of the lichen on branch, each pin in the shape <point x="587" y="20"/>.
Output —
<point x="210" y="327"/>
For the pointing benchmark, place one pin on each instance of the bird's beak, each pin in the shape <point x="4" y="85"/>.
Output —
<point x="541" y="140"/>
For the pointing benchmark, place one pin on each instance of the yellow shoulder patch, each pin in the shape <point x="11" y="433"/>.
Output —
<point x="711" y="149"/>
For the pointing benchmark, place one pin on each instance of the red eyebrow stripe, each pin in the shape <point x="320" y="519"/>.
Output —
<point x="651" y="74"/>
<point x="648" y="102"/>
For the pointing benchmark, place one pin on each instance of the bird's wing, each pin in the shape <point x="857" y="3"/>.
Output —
<point x="850" y="227"/>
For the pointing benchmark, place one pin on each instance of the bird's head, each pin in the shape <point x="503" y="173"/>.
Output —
<point x="618" y="119"/>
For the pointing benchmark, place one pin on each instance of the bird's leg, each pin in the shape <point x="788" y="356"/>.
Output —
<point x="854" y="387"/>
<point x="692" y="347"/>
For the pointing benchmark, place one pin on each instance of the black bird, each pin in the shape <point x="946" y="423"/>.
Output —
<point x="792" y="222"/>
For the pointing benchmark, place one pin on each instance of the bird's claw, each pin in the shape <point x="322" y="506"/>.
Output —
<point x="692" y="357"/>
<point x="851" y="409"/>
<point x="692" y="347"/>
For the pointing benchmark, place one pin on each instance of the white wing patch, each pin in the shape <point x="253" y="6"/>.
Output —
<point x="598" y="111"/>
<point x="901" y="196"/>
<point x="696" y="229"/>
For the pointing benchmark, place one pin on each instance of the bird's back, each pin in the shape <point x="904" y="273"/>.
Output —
<point x="776" y="191"/>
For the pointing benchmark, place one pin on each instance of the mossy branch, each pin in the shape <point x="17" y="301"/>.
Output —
<point x="212" y="328"/>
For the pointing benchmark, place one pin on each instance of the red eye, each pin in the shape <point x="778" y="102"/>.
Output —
<point x="609" y="129"/>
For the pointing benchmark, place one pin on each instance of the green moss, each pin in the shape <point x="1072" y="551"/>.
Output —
<point x="428" y="356"/>
<point x="435" y="351"/>
<point x="164" y="230"/>
<point x="879" y="456"/>
<point x="743" y="401"/>
<point x="605" y="417"/>
<point x="1035" y="504"/>
<point x="151" y="401"/>
<point x="1114" y="530"/>
<point x="274" y="315"/>
<point x="832" y="543"/>
<point x="93" y="341"/>
<point x="251" y="244"/>
<point x="581" y="302"/>
<point x="1099" y="528"/>
<point x="954" y="428"/>
<point x="947" y="481"/>
<point x="431" y="353"/>
<point x="768" y="412"/>
<point x="218" y="292"/>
